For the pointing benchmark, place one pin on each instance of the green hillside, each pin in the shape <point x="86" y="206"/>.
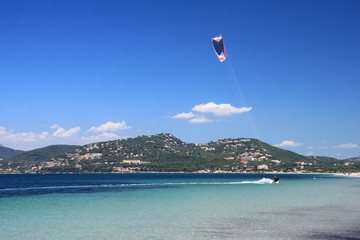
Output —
<point x="6" y="152"/>
<point x="166" y="153"/>
<point x="43" y="154"/>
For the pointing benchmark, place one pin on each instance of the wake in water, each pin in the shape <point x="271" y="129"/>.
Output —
<point x="261" y="181"/>
<point x="115" y="187"/>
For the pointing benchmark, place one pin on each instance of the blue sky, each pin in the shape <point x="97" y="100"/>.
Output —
<point x="75" y="72"/>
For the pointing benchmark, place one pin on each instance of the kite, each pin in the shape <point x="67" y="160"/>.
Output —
<point x="219" y="48"/>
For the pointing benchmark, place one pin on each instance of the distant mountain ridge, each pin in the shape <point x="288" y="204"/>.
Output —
<point x="164" y="152"/>
<point x="45" y="153"/>
<point x="6" y="152"/>
<point x="353" y="159"/>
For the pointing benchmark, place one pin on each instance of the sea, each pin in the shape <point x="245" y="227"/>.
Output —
<point x="161" y="206"/>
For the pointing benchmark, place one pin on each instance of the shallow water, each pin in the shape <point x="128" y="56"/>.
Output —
<point x="178" y="206"/>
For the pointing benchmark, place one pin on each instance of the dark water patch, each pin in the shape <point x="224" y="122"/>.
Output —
<point x="28" y="184"/>
<point x="28" y="180"/>
<point x="353" y="234"/>
<point x="231" y="230"/>
<point x="321" y="222"/>
<point x="77" y="189"/>
<point x="249" y="229"/>
<point x="309" y="211"/>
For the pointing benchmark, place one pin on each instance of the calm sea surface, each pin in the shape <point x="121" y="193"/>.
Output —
<point x="179" y="206"/>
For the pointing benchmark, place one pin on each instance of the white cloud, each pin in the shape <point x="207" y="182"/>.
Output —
<point x="220" y="109"/>
<point x="59" y="135"/>
<point x="347" y="145"/>
<point x="110" y="127"/>
<point x="288" y="143"/>
<point x="61" y="132"/>
<point x="200" y="119"/>
<point x="2" y="131"/>
<point x="321" y="147"/>
<point x="10" y="136"/>
<point x="105" y="136"/>
<point x="27" y="136"/>
<point x="212" y="108"/>
<point x="184" y="115"/>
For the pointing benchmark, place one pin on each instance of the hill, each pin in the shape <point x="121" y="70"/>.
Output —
<point x="166" y="153"/>
<point x="43" y="154"/>
<point x="6" y="152"/>
<point x="354" y="159"/>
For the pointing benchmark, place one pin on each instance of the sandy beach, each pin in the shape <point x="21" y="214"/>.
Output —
<point x="348" y="174"/>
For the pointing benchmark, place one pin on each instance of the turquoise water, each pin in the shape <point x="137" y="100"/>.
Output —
<point x="179" y="206"/>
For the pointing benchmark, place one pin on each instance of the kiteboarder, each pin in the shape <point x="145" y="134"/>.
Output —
<point x="276" y="179"/>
